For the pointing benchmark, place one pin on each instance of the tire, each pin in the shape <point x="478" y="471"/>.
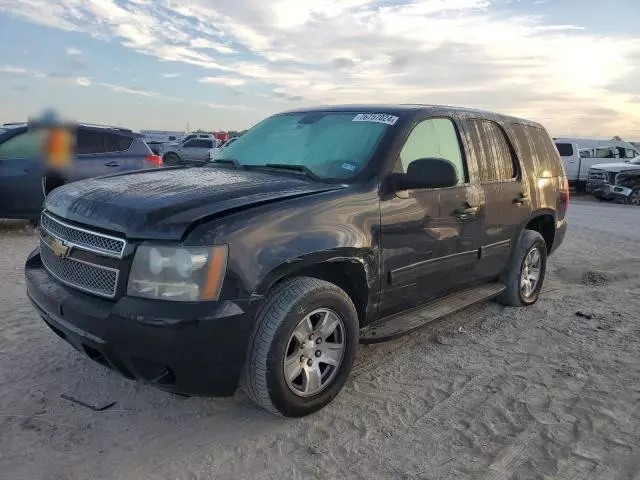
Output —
<point x="171" y="160"/>
<point x="634" y="197"/>
<point x="514" y="295"/>
<point x="273" y="341"/>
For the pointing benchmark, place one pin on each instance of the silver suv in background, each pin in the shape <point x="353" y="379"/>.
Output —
<point x="193" y="150"/>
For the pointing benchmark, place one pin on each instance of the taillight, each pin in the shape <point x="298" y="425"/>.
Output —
<point x="155" y="159"/>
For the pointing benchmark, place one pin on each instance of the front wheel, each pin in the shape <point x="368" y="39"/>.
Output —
<point x="634" y="197"/>
<point x="525" y="272"/>
<point x="171" y="160"/>
<point x="303" y="347"/>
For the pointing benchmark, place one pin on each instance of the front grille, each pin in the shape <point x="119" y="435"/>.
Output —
<point x="90" y="278"/>
<point x="84" y="239"/>
<point x="598" y="176"/>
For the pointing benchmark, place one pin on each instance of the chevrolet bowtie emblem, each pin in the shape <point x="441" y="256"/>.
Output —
<point x="59" y="248"/>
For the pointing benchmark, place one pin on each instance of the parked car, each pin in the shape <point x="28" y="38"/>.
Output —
<point x="217" y="151"/>
<point x="168" y="146"/>
<point x="194" y="151"/>
<point x="318" y="229"/>
<point x="99" y="151"/>
<point x="618" y="181"/>
<point x="577" y="161"/>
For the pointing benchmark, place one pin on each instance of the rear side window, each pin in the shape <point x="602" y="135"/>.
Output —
<point x="433" y="138"/>
<point x="537" y="150"/>
<point x="117" y="143"/>
<point x="493" y="155"/>
<point x="89" y="142"/>
<point x="565" y="149"/>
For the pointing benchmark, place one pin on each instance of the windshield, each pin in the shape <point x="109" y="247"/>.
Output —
<point x="332" y="145"/>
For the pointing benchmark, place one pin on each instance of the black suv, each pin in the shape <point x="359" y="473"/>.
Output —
<point x="317" y="229"/>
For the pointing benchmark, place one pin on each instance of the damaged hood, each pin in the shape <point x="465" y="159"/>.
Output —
<point x="617" y="167"/>
<point x="163" y="203"/>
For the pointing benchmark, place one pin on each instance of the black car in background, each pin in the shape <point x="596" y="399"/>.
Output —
<point x="313" y="231"/>
<point x="99" y="151"/>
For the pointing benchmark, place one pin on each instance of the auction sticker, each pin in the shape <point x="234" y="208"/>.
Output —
<point x="376" y="117"/>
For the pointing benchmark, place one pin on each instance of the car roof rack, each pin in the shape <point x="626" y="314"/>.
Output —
<point x="110" y="127"/>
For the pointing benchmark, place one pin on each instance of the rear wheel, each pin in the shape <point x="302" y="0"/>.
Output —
<point x="524" y="275"/>
<point x="303" y="347"/>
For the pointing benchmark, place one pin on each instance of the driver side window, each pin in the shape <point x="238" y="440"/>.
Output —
<point x="436" y="137"/>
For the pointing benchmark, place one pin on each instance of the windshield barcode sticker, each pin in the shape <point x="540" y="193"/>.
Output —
<point x="376" y="117"/>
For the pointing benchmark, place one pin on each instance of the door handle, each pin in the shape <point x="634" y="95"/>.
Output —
<point x="112" y="164"/>
<point x="466" y="212"/>
<point x="522" y="199"/>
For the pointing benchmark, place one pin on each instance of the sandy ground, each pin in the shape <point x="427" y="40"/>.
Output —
<point x="491" y="393"/>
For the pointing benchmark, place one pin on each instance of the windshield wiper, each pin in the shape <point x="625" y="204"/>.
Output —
<point x="295" y="168"/>
<point x="228" y="161"/>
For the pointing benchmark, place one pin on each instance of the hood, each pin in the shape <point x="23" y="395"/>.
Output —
<point x="616" y="167"/>
<point x="163" y="203"/>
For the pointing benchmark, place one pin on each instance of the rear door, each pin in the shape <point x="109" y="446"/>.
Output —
<point x="21" y="172"/>
<point x="428" y="236"/>
<point x="507" y="202"/>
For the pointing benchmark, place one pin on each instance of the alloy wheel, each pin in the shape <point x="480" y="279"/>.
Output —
<point x="530" y="275"/>
<point x="314" y="352"/>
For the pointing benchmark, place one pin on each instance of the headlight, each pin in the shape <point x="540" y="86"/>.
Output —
<point x="185" y="274"/>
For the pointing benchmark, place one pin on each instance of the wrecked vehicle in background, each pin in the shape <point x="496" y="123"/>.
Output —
<point x="618" y="181"/>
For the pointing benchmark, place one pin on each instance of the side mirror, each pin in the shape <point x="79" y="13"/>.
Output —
<point x="426" y="173"/>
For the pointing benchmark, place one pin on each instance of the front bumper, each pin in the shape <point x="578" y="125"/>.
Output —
<point x="608" y="191"/>
<point x="187" y="348"/>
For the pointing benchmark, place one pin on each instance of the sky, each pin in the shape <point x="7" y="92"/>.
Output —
<point x="573" y="65"/>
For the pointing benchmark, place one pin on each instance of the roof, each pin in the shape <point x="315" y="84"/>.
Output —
<point x="399" y="109"/>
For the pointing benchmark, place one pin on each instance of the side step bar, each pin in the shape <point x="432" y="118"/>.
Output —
<point x="400" y="324"/>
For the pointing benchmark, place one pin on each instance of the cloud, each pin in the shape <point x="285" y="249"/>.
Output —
<point x="228" y="81"/>
<point x="470" y="52"/>
<point x="11" y="70"/>
<point x="171" y="75"/>
<point x="73" y="52"/>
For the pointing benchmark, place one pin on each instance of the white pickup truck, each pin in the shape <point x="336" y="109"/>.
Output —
<point x="579" y="157"/>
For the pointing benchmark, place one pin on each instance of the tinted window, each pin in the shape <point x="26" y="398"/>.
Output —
<point x="493" y="155"/>
<point x="191" y="144"/>
<point x="117" y="143"/>
<point x="585" y="154"/>
<point x="565" y="149"/>
<point x="24" y="145"/>
<point x="89" y="141"/>
<point x="536" y="150"/>
<point x="202" y="144"/>
<point x="433" y="138"/>
<point x="189" y="137"/>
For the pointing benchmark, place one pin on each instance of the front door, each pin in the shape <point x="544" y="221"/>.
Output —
<point x="428" y="236"/>
<point x="21" y="171"/>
